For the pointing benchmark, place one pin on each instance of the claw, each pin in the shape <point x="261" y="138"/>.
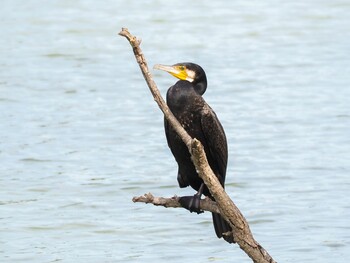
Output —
<point x="191" y="203"/>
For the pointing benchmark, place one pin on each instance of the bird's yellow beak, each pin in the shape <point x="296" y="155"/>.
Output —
<point x="177" y="71"/>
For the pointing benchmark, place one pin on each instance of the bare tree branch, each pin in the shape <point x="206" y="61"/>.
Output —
<point x="205" y="204"/>
<point x="240" y="228"/>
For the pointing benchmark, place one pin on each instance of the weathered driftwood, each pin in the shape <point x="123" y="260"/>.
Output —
<point x="241" y="231"/>
<point x="205" y="204"/>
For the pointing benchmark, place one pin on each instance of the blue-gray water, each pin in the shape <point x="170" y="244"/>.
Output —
<point x="81" y="135"/>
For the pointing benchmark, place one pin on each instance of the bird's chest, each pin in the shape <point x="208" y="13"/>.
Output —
<point x="191" y="122"/>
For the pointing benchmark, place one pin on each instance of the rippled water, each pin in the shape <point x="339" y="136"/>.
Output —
<point x="81" y="135"/>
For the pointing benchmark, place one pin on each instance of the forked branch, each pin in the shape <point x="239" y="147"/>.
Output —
<point x="241" y="232"/>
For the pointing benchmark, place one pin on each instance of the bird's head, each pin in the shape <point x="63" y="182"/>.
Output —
<point x="187" y="71"/>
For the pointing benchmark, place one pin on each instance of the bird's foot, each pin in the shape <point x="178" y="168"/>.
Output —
<point x="191" y="203"/>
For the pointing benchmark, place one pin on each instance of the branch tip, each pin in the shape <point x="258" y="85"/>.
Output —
<point x="124" y="32"/>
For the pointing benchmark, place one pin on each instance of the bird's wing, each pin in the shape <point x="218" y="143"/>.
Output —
<point x="216" y="142"/>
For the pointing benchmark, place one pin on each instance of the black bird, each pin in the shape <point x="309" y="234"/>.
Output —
<point x="199" y="120"/>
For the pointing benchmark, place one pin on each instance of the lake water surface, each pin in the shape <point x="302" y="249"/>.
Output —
<point x="81" y="135"/>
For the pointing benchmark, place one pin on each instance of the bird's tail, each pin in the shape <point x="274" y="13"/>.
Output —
<point x="221" y="226"/>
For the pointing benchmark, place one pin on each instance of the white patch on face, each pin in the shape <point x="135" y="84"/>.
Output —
<point x="190" y="75"/>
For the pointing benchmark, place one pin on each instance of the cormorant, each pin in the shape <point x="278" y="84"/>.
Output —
<point x="200" y="121"/>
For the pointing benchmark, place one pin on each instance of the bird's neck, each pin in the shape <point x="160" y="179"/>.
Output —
<point x="200" y="87"/>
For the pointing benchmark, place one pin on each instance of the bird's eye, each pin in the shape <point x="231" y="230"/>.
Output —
<point x="182" y="68"/>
